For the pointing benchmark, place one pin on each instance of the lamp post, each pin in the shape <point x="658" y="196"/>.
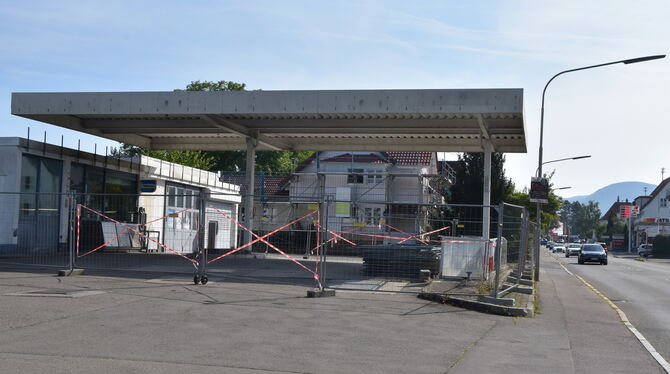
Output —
<point x="539" y="167"/>
<point x="537" y="174"/>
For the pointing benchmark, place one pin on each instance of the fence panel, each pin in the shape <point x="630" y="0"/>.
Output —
<point x="405" y="247"/>
<point x="34" y="229"/>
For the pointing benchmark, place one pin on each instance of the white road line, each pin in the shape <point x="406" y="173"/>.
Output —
<point x="645" y="343"/>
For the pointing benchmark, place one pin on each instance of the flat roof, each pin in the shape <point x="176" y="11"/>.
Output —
<point x="448" y="120"/>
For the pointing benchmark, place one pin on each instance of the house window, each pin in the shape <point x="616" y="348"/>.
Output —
<point x="664" y="202"/>
<point x="355" y="176"/>
<point x="373" y="215"/>
<point x="375" y="179"/>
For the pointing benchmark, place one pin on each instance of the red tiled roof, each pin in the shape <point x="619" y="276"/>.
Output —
<point x="274" y="185"/>
<point x="411" y="158"/>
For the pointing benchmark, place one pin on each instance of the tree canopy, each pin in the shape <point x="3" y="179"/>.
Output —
<point x="582" y="219"/>
<point x="468" y="188"/>
<point x="279" y="162"/>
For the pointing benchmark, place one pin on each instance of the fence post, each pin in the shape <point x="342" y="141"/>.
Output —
<point x="498" y="252"/>
<point x="524" y="246"/>
<point x="71" y="215"/>
<point x="202" y="248"/>
<point x="322" y="229"/>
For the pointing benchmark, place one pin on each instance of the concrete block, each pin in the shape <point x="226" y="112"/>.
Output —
<point x="68" y="272"/>
<point x="498" y="301"/>
<point x="316" y="292"/>
<point x="525" y="290"/>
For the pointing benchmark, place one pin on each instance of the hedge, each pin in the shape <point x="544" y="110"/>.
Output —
<point x="661" y="246"/>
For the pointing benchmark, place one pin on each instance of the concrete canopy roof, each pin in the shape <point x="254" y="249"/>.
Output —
<point x="452" y="120"/>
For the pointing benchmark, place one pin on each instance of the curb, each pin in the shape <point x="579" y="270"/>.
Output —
<point x="528" y="311"/>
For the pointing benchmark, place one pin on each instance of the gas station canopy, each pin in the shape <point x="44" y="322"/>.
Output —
<point x="450" y="120"/>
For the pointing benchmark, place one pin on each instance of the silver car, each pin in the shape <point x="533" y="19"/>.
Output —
<point x="573" y="249"/>
<point x="644" y="250"/>
<point x="558" y="248"/>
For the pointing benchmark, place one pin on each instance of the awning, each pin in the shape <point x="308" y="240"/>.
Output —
<point x="453" y="120"/>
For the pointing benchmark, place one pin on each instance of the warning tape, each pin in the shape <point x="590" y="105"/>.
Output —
<point x="262" y="239"/>
<point x="133" y="228"/>
<point x="78" y="225"/>
<point x="402" y="232"/>
<point x="338" y="236"/>
<point x="427" y="233"/>
<point x="259" y="238"/>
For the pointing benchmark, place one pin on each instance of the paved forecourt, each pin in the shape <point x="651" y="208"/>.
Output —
<point x="167" y="325"/>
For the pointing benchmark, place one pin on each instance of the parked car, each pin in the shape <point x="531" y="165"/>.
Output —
<point x="604" y="245"/>
<point x="543" y="242"/>
<point x="644" y="250"/>
<point x="572" y="249"/>
<point x="551" y="245"/>
<point x="592" y="253"/>
<point x="558" y="249"/>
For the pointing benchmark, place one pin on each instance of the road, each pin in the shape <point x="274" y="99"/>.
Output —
<point x="640" y="288"/>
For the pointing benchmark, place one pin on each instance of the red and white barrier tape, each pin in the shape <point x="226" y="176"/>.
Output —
<point x="259" y="238"/>
<point x="133" y="228"/>
<point x="262" y="239"/>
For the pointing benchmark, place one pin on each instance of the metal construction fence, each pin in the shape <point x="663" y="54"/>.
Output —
<point x="326" y="243"/>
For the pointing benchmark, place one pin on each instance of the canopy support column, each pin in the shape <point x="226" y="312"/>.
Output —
<point x="486" y="213"/>
<point x="250" y="174"/>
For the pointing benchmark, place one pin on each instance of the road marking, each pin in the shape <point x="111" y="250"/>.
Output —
<point x="645" y="343"/>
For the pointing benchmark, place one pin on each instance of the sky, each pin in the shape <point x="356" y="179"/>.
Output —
<point x="616" y="114"/>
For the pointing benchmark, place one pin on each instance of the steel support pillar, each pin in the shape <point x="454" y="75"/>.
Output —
<point x="250" y="172"/>
<point x="486" y="213"/>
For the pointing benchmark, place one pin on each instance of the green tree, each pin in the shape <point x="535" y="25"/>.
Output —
<point x="469" y="188"/>
<point x="196" y="159"/>
<point x="226" y="161"/>
<point x="583" y="219"/>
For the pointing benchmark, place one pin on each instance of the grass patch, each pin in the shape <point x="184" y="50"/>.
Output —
<point x="537" y="308"/>
<point x="484" y="288"/>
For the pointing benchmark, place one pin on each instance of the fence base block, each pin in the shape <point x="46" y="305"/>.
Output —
<point x="68" y="272"/>
<point x="498" y="301"/>
<point x="316" y="292"/>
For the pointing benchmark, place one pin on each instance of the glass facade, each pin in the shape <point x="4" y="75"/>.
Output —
<point x="40" y="184"/>
<point x="98" y="186"/>
<point x="38" y="226"/>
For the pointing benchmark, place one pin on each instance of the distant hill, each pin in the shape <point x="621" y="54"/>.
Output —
<point x="607" y="195"/>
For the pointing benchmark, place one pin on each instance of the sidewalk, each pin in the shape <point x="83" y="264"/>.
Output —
<point x="574" y="332"/>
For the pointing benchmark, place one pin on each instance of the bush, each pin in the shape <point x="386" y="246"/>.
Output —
<point x="661" y="246"/>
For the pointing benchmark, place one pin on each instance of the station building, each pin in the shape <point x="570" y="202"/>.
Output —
<point x="41" y="184"/>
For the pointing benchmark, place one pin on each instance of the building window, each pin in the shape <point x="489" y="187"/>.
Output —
<point x="179" y="198"/>
<point x="373" y="215"/>
<point x="40" y="184"/>
<point x="111" y="192"/>
<point x="375" y="179"/>
<point x="355" y="176"/>
<point x="664" y="202"/>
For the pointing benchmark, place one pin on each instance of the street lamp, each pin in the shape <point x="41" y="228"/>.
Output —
<point x="539" y="167"/>
<point x="560" y="159"/>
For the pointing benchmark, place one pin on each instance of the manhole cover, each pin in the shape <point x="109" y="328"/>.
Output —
<point x="56" y="292"/>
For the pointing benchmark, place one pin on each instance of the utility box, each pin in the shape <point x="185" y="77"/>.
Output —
<point x="461" y="255"/>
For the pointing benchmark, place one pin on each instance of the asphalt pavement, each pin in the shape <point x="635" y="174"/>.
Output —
<point x="639" y="288"/>
<point x="165" y="324"/>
